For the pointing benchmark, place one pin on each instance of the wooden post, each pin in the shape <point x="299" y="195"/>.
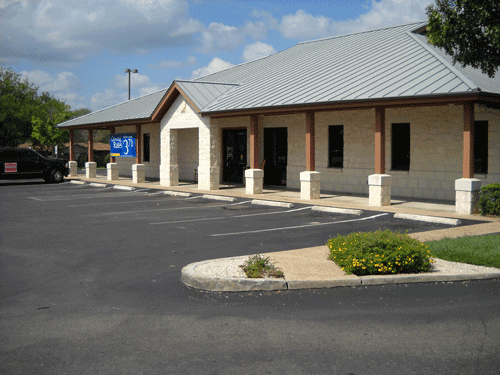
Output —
<point x="468" y="141"/>
<point x="138" y="146"/>
<point x="112" y="132"/>
<point x="91" y="145"/>
<point x="379" y="140"/>
<point x="310" y="142"/>
<point x="254" y="144"/>
<point x="71" y="144"/>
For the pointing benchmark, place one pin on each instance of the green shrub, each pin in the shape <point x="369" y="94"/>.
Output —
<point x="257" y="266"/>
<point x="81" y="160"/>
<point x="489" y="199"/>
<point x="107" y="158"/>
<point x="379" y="253"/>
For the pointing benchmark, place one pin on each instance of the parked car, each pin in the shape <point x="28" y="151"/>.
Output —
<point x="24" y="163"/>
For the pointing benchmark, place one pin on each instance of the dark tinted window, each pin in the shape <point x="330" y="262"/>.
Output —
<point x="400" y="147"/>
<point x="481" y="147"/>
<point x="146" y="147"/>
<point x="336" y="146"/>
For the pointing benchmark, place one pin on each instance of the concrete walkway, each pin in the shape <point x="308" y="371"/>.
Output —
<point x="309" y="267"/>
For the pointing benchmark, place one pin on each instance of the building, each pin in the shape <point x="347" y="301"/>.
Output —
<point x="379" y="112"/>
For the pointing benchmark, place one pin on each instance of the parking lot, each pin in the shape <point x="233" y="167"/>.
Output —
<point x="92" y="274"/>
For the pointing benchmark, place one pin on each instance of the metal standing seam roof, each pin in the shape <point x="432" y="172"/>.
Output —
<point x="202" y="93"/>
<point x="134" y="109"/>
<point x="391" y="62"/>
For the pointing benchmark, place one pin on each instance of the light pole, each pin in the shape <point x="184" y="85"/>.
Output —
<point x="130" y="71"/>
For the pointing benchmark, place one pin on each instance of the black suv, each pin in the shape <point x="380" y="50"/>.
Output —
<point x="26" y="163"/>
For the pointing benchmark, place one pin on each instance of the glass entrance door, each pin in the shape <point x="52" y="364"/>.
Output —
<point x="234" y="146"/>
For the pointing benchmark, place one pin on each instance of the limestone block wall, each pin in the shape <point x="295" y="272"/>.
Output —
<point x="493" y="118"/>
<point x="359" y="150"/>
<point x="187" y="153"/>
<point x="125" y="164"/>
<point x="152" y="167"/>
<point x="296" y="158"/>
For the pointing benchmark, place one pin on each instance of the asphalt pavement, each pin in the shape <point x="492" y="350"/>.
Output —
<point x="90" y="284"/>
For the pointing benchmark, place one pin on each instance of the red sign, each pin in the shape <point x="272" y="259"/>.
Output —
<point x="10" y="167"/>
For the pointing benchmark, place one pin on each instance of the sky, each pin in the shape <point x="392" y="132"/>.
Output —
<point x="78" y="50"/>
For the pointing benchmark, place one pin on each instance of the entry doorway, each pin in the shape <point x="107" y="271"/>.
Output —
<point x="275" y="155"/>
<point x="234" y="154"/>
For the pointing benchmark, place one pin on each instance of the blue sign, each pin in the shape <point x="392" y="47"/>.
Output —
<point x="123" y="145"/>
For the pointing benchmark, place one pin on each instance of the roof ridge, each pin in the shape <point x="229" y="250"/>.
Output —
<point x="467" y="81"/>
<point x="361" y="32"/>
<point x="207" y="82"/>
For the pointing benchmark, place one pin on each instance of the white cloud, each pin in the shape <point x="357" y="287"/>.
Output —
<point x="62" y="86"/>
<point x="216" y="65"/>
<point x="257" y="50"/>
<point x="107" y="98"/>
<point x="218" y="36"/>
<point x="302" y="25"/>
<point x="166" y="64"/>
<point x="70" y="31"/>
<point x="140" y="85"/>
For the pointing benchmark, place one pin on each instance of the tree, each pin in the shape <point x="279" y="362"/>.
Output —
<point x="44" y="123"/>
<point x="468" y="30"/>
<point x="19" y="101"/>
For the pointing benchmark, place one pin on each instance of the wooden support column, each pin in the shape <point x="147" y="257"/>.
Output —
<point x="379" y="140"/>
<point x="468" y="141"/>
<point x="310" y="142"/>
<point x="71" y="144"/>
<point x="112" y="132"/>
<point x="91" y="145"/>
<point x="138" y="146"/>
<point x="254" y="144"/>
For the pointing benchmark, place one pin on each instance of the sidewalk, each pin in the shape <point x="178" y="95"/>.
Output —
<point x="309" y="267"/>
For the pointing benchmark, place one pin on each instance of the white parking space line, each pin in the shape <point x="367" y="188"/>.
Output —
<point x="160" y="209"/>
<point x="161" y="192"/>
<point x="140" y="191"/>
<point x="50" y="198"/>
<point x="235" y="204"/>
<point x="198" y="196"/>
<point x="120" y="203"/>
<point x="229" y="217"/>
<point x="36" y="199"/>
<point x="297" y="226"/>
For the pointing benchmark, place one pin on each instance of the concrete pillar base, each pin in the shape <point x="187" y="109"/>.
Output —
<point x="254" y="181"/>
<point x="73" y="168"/>
<point x="208" y="178"/>
<point x="379" y="190"/>
<point x="169" y="175"/>
<point x="310" y="185"/>
<point x="90" y="169"/>
<point x="112" y="169"/>
<point x="467" y="195"/>
<point x="138" y="173"/>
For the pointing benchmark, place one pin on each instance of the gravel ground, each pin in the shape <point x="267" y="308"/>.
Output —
<point x="230" y="268"/>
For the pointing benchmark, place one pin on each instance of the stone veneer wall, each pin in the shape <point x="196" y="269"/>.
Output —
<point x="187" y="153"/>
<point x="152" y="167"/>
<point x="435" y="158"/>
<point x="435" y="155"/>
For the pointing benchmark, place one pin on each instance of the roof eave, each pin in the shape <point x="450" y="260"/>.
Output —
<point x="425" y="100"/>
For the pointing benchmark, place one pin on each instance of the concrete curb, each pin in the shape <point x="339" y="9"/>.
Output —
<point x="337" y="210"/>
<point x="219" y="198"/>
<point x="272" y="203"/>
<point x="428" y="219"/>
<point x="177" y="194"/>
<point x="123" y="187"/>
<point x="194" y="279"/>
<point x="198" y="280"/>
<point x="96" y="184"/>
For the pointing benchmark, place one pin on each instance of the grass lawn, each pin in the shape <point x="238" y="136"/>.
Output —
<point x="479" y="250"/>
